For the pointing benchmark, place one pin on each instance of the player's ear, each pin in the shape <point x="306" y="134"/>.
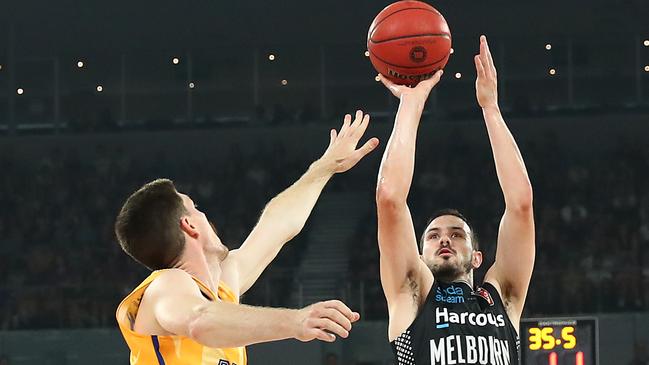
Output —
<point x="476" y="259"/>
<point x="187" y="227"/>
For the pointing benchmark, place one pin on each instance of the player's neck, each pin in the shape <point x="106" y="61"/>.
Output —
<point x="467" y="282"/>
<point x="197" y="265"/>
<point x="214" y="268"/>
<point x="466" y="279"/>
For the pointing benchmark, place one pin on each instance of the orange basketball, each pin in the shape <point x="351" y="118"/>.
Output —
<point x="408" y="42"/>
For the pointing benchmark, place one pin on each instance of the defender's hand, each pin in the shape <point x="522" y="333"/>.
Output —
<point x="486" y="84"/>
<point x="324" y="321"/>
<point x="342" y="155"/>
<point x="422" y="90"/>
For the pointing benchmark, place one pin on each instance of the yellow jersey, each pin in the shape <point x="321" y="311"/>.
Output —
<point x="173" y="350"/>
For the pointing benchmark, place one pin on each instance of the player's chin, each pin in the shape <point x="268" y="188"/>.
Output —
<point x="437" y="262"/>
<point x="451" y="264"/>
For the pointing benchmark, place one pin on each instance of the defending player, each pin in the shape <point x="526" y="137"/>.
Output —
<point x="187" y="311"/>
<point x="437" y="313"/>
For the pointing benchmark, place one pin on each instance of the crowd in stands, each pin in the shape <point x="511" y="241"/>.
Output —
<point x="60" y="266"/>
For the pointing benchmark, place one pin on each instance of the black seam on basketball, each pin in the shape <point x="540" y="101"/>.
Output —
<point x="392" y="64"/>
<point x="443" y="35"/>
<point x="398" y="11"/>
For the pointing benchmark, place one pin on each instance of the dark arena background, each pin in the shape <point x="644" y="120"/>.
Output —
<point x="234" y="99"/>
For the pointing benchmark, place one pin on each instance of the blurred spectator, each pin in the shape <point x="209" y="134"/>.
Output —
<point x="640" y="355"/>
<point x="330" y="359"/>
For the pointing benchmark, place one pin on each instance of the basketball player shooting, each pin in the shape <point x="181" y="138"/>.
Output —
<point x="437" y="315"/>
<point x="187" y="311"/>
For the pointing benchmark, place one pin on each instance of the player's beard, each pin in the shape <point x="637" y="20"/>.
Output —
<point x="448" y="271"/>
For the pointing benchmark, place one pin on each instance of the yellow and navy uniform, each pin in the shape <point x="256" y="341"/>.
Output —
<point x="173" y="350"/>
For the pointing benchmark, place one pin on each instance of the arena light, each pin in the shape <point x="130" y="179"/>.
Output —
<point x="646" y="68"/>
<point x="80" y="64"/>
<point x="552" y="72"/>
<point x="458" y="75"/>
<point x="175" y="60"/>
<point x="0" y="67"/>
<point x="20" y="91"/>
<point x="452" y="51"/>
<point x="367" y="53"/>
<point x="192" y="85"/>
<point x="646" y="42"/>
<point x="548" y="46"/>
<point x="271" y="57"/>
<point x="100" y="88"/>
<point x="284" y="82"/>
<point x="377" y="78"/>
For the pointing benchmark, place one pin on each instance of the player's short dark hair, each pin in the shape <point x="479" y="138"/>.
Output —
<point x="148" y="225"/>
<point x="453" y="212"/>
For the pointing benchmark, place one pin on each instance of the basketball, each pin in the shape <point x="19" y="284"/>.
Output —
<point x="409" y="41"/>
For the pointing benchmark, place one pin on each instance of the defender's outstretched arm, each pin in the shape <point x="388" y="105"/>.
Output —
<point x="285" y="215"/>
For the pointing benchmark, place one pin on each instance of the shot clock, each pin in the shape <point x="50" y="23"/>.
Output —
<point x="559" y="341"/>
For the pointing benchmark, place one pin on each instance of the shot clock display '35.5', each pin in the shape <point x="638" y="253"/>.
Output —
<point x="559" y="341"/>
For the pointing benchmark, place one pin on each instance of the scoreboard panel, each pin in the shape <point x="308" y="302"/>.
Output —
<point x="559" y="341"/>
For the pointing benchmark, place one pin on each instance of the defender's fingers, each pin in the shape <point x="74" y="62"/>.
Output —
<point x="337" y="304"/>
<point x="323" y="335"/>
<point x="338" y="317"/>
<point x="346" y="123"/>
<point x="331" y="327"/>
<point x="368" y="147"/>
<point x="358" y="119"/>
<point x="332" y="136"/>
<point x="357" y="316"/>
<point x="364" y="123"/>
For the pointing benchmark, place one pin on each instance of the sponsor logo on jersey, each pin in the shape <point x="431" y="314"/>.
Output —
<point x="484" y="294"/>
<point x="444" y="317"/>
<point x="456" y="349"/>
<point x="451" y="294"/>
